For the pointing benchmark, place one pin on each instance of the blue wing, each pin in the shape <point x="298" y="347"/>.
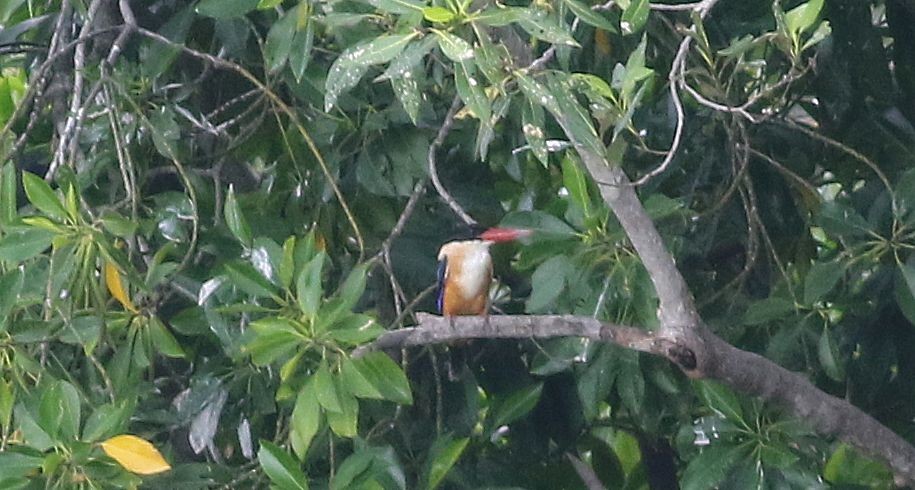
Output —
<point x="440" y="297"/>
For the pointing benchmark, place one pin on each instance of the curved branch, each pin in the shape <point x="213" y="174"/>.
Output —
<point x="701" y="356"/>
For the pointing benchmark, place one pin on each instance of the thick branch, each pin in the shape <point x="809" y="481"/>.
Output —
<point x="743" y="371"/>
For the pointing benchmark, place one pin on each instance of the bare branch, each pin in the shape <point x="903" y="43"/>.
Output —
<point x="433" y="170"/>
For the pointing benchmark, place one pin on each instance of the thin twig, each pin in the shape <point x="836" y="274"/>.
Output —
<point x="433" y="170"/>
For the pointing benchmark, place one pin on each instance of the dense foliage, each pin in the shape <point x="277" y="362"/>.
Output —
<point x="196" y="210"/>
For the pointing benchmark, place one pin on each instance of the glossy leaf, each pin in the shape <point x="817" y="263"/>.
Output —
<point x="279" y="44"/>
<point x="163" y="340"/>
<point x="235" y="219"/>
<point x="382" y="375"/>
<point x="634" y="17"/>
<point x="438" y="14"/>
<point x="43" y="197"/>
<point x="20" y="246"/>
<point x="135" y="454"/>
<point x="575" y="181"/>
<point x="8" y="206"/>
<point x="225" y="9"/>
<point x="720" y="399"/>
<point x="306" y="420"/>
<point x="802" y="18"/>
<point x="344" y="423"/>
<point x="820" y="280"/>
<point x="828" y="354"/>
<point x="352" y="64"/>
<point x="443" y="455"/>
<point x="548" y="283"/>
<point x="308" y="286"/>
<point x="398" y="6"/>
<point x="589" y="16"/>
<point x="710" y="467"/>
<point x="516" y="405"/>
<point x="280" y="467"/>
<point x="455" y="48"/>
<point x="540" y="24"/>
<point x="325" y="390"/>
<point x="248" y="279"/>
<point x="533" y="127"/>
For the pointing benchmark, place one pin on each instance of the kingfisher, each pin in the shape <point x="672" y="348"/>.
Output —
<point x="465" y="272"/>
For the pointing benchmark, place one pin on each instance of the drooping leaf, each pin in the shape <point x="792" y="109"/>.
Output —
<point x="306" y="420"/>
<point x="445" y="452"/>
<point x="516" y="405"/>
<point x="720" y="399"/>
<point x="225" y="9"/>
<point x="235" y="219"/>
<point x="135" y="454"/>
<point x="308" y="285"/>
<point x="279" y="39"/>
<point x="116" y="287"/>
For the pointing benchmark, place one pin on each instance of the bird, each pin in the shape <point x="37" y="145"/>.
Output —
<point x="465" y="272"/>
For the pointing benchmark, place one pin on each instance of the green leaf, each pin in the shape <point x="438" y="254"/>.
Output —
<point x="279" y="39"/>
<point x="106" y="421"/>
<point x="847" y="468"/>
<point x="11" y="285"/>
<point x="357" y="383"/>
<point x="344" y="423"/>
<point x="470" y="90"/>
<point x="516" y="405"/>
<point x="533" y="127"/>
<point x="282" y="469"/>
<point x="398" y="6"/>
<point x="305" y="421"/>
<point x="235" y="219"/>
<point x="589" y="16"/>
<point x="302" y="43"/>
<point x="308" y="286"/>
<point x="541" y="25"/>
<point x="353" y="287"/>
<point x="575" y="181"/>
<point x="573" y="118"/>
<point x="720" y="399"/>
<point x="8" y="206"/>
<point x="355" y="329"/>
<point x="163" y="340"/>
<point x="596" y="382"/>
<point x="118" y="225"/>
<point x="20" y="246"/>
<point x="325" y="389"/>
<point x="803" y="17"/>
<point x="225" y="9"/>
<point x="547" y="283"/>
<point x="455" y="48"/>
<point x="409" y="58"/>
<point x="634" y="17"/>
<point x="828" y="353"/>
<point x="498" y="16"/>
<point x="842" y="220"/>
<point x="710" y="467"/>
<point x="42" y="197"/>
<point x="383" y="375"/>
<point x="351" y="65"/>
<point x="16" y="464"/>
<point x="820" y="280"/>
<point x="34" y="435"/>
<point x="443" y="455"/>
<point x="286" y="269"/>
<point x="354" y="467"/>
<point x="244" y="276"/>
<point x="439" y="15"/>
<point x="766" y="310"/>
<point x="160" y="56"/>
<point x="7" y="401"/>
<point x="630" y="382"/>
<point x="276" y="337"/>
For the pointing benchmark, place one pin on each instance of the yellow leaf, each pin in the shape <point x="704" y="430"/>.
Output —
<point x="135" y="454"/>
<point x="116" y="287"/>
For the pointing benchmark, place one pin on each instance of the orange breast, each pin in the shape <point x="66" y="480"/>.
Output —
<point x="454" y="303"/>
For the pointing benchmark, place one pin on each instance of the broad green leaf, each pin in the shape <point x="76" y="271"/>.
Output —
<point x="306" y="420"/>
<point x="802" y="18"/>
<point x="279" y="39"/>
<point x="828" y="353"/>
<point x="537" y="93"/>
<point x="820" y="280"/>
<point x="470" y="90"/>
<point x="353" y="467"/>
<point x="596" y="382"/>
<point x="244" y="276"/>
<point x="7" y="401"/>
<point x="842" y="220"/>
<point x="353" y="287"/>
<point x="344" y="422"/>
<point x="540" y="24"/>
<point x="635" y="72"/>
<point x="407" y="90"/>
<point x="276" y="337"/>
<point x="355" y="329"/>
<point x="574" y="118"/>
<point x="8" y="206"/>
<point x="282" y="469"/>
<point x="225" y="9"/>
<point x="630" y="382"/>
<point x="351" y="65"/>
<point x="575" y="181"/>
<point x="163" y="340"/>
<point x="455" y="48"/>
<point x="11" y="285"/>
<point x="498" y="16"/>
<point x="438" y="14"/>
<point x="135" y="454"/>
<point x="235" y="219"/>
<point x="711" y="466"/>
<point x="634" y="17"/>
<point x="516" y="405"/>
<point x="118" y="225"/>
<point x="534" y="129"/>
<point x="557" y="355"/>
<point x="589" y="16"/>
<point x="42" y="197"/>
<point x="357" y="383"/>
<point x="383" y="375"/>
<point x="33" y="434"/>
<point x="398" y="6"/>
<point x="548" y="283"/>
<point x="325" y="390"/>
<point x="822" y="32"/>
<point x="106" y="420"/>
<point x="159" y="56"/>
<point x="720" y="399"/>
<point x="768" y="309"/>
<point x="847" y="468"/>
<point x="308" y="286"/>
<point x="409" y="58"/>
<point x="16" y="464"/>
<point x="445" y="452"/>
<point x="23" y="245"/>
<point x="302" y="43"/>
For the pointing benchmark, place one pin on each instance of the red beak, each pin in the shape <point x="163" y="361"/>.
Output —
<point x="500" y="235"/>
